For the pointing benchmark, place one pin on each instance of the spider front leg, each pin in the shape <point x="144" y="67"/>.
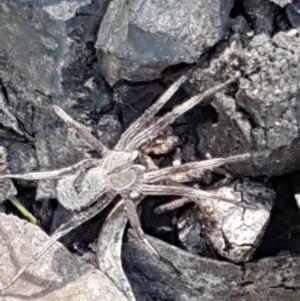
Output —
<point x="147" y="116"/>
<point x="39" y="175"/>
<point x="82" y="131"/>
<point x="153" y="130"/>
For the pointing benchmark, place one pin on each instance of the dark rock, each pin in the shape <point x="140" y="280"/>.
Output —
<point x="133" y="100"/>
<point x="178" y="275"/>
<point x="264" y="113"/>
<point x="109" y="130"/>
<point x="52" y="67"/>
<point x="262" y="14"/>
<point x="137" y="40"/>
<point x="59" y="35"/>
<point x="21" y="157"/>
<point x="292" y="10"/>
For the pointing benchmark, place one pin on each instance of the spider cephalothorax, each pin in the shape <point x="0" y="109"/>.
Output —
<point x="125" y="171"/>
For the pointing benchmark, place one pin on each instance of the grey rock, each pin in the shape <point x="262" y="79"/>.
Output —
<point x="21" y="157"/>
<point x="282" y="3"/>
<point x="59" y="32"/>
<point x="56" y="147"/>
<point x="109" y="124"/>
<point x="232" y="130"/>
<point x="47" y="70"/>
<point x="138" y="39"/>
<point x="8" y="120"/>
<point x="262" y="14"/>
<point x="191" y="234"/>
<point x="7" y="188"/>
<point x="264" y="113"/>
<point x="58" y="274"/>
<point x="180" y="276"/>
<point x="235" y="232"/>
<point x="293" y="12"/>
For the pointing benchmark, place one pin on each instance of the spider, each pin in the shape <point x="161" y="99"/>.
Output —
<point x="87" y="187"/>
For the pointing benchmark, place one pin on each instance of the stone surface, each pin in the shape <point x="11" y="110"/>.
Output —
<point x="59" y="33"/>
<point x="232" y="231"/>
<point x="282" y="3"/>
<point x="263" y="113"/>
<point x="7" y="188"/>
<point x="262" y="14"/>
<point x="50" y="69"/>
<point x="178" y="275"/>
<point x="56" y="275"/>
<point x="138" y="39"/>
<point x="293" y="13"/>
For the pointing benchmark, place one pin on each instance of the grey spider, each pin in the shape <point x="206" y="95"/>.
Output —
<point x="124" y="171"/>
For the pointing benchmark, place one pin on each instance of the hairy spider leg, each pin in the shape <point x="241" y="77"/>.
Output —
<point x="148" y="115"/>
<point x="39" y="175"/>
<point x="82" y="131"/>
<point x="185" y="191"/>
<point x="153" y="130"/>
<point x="75" y="221"/>
<point x="172" y="205"/>
<point x="130" y="210"/>
<point x="109" y="249"/>
<point x="168" y="173"/>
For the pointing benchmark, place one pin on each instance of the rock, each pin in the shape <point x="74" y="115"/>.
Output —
<point x="232" y="231"/>
<point x="263" y="113"/>
<point x="57" y="274"/>
<point x="292" y="11"/>
<point x="7" y="119"/>
<point x="262" y="15"/>
<point x="191" y="234"/>
<point x="7" y="188"/>
<point x="21" y="157"/>
<point x="178" y="275"/>
<point x="109" y="124"/>
<point x="282" y="3"/>
<point x="138" y="39"/>
<point x="54" y="72"/>
<point x="297" y="197"/>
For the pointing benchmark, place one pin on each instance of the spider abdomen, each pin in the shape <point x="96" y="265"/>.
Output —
<point x="92" y="185"/>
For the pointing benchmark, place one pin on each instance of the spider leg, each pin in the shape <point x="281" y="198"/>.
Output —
<point x="39" y="175"/>
<point x="172" y="205"/>
<point x="109" y="248"/>
<point x="82" y="131"/>
<point x="153" y="130"/>
<point x="133" y="217"/>
<point x="147" y="116"/>
<point x="110" y="245"/>
<point x="182" y="171"/>
<point x="73" y="223"/>
<point x="184" y="191"/>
